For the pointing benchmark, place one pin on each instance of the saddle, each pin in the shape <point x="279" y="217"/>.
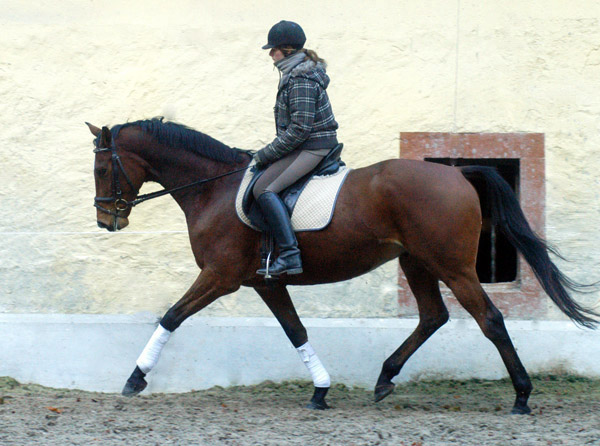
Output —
<point x="330" y="164"/>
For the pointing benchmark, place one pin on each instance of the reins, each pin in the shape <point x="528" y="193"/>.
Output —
<point x="160" y="193"/>
<point x="121" y="204"/>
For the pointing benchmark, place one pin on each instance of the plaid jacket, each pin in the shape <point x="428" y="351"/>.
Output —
<point x="303" y="116"/>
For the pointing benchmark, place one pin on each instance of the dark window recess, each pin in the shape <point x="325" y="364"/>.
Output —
<point x="496" y="259"/>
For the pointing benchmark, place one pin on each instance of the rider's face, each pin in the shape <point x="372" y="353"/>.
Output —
<point x="276" y="54"/>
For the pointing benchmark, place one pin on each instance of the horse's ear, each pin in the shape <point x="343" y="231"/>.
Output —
<point x="95" y="130"/>
<point x="106" y="139"/>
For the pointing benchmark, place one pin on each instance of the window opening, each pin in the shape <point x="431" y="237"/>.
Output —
<point x="520" y="159"/>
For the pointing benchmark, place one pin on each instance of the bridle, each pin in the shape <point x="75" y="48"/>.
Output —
<point x="120" y="203"/>
<point x="117" y="194"/>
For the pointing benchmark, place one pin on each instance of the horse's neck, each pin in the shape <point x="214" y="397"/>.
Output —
<point x="173" y="168"/>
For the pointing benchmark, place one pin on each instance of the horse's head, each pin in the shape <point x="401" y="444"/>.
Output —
<point x="118" y="176"/>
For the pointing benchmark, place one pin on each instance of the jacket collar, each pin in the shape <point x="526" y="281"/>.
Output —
<point x="287" y="65"/>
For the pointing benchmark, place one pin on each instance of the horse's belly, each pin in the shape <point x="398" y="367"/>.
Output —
<point x="340" y="265"/>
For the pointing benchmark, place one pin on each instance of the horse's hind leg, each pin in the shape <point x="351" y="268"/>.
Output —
<point x="279" y="302"/>
<point x="472" y="296"/>
<point x="432" y="315"/>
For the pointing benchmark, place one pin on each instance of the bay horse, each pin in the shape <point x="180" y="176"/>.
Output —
<point x="425" y="214"/>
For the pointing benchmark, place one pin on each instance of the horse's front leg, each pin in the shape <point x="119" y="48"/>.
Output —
<point x="279" y="302"/>
<point x="208" y="287"/>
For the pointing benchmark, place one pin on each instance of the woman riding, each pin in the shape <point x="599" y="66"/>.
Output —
<point x="306" y="132"/>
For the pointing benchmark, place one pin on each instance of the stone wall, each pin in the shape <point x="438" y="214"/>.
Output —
<point x="415" y="66"/>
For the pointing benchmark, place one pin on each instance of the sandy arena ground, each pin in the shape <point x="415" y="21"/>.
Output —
<point x="565" y="412"/>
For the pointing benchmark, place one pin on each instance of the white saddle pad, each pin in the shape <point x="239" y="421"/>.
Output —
<point x="314" y="208"/>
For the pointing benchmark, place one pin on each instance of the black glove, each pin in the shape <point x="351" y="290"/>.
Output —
<point x="258" y="163"/>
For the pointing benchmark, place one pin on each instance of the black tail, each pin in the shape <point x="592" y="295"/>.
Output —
<point x="508" y="216"/>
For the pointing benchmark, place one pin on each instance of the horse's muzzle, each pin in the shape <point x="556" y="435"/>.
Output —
<point x="116" y="224"/>
<point x="103" y="225"/>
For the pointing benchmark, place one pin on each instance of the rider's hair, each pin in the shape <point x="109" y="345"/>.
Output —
<point x="310" y="54"/>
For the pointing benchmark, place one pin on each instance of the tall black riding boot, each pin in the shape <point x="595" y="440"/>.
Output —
<point x="277" y="217"/>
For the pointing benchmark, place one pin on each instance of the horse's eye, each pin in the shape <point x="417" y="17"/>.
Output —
<point x="101" y="171"/>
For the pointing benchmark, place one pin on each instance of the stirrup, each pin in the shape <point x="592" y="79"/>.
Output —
<point x="268" y="263"/>
<point x="284" y="269"/>
<point x="268" y="275"/>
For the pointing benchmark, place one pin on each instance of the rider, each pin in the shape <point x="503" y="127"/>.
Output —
<point x="306" y="132"/>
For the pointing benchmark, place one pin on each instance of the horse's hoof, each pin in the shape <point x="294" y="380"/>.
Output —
<point x="383" y="390"/>
<point x="317" y="405"/>
<point x="317" y="402"/>
<point x="520" y="410"/>
<point x="134" y="386"/>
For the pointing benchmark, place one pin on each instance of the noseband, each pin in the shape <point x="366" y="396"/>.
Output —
<point x="117" y="199"/>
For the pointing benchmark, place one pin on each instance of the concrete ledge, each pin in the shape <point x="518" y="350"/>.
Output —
<point x="98" y="352"/>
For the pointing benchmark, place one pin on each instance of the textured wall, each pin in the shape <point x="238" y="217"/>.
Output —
<point x="433" y="65"/>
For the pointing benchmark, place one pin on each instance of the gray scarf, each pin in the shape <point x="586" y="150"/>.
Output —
<point x="287" y="64"/>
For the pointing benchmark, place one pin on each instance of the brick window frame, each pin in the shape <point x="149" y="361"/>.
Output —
<point x="524" y="297"/>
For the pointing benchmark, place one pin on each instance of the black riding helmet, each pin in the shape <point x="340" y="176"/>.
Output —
<point x="285" y="33"/>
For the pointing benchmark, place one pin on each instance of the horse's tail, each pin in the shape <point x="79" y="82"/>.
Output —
<point x="508" y="216"/>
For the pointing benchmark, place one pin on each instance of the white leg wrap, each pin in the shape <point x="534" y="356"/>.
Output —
<point x="313" y="364"/>
<point x="151" y="352"/>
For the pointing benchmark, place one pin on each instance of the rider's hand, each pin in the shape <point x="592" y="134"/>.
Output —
<point x="258" y="162"/>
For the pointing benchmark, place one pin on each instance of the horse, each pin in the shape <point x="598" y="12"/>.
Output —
<point x="427" y="215"/>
